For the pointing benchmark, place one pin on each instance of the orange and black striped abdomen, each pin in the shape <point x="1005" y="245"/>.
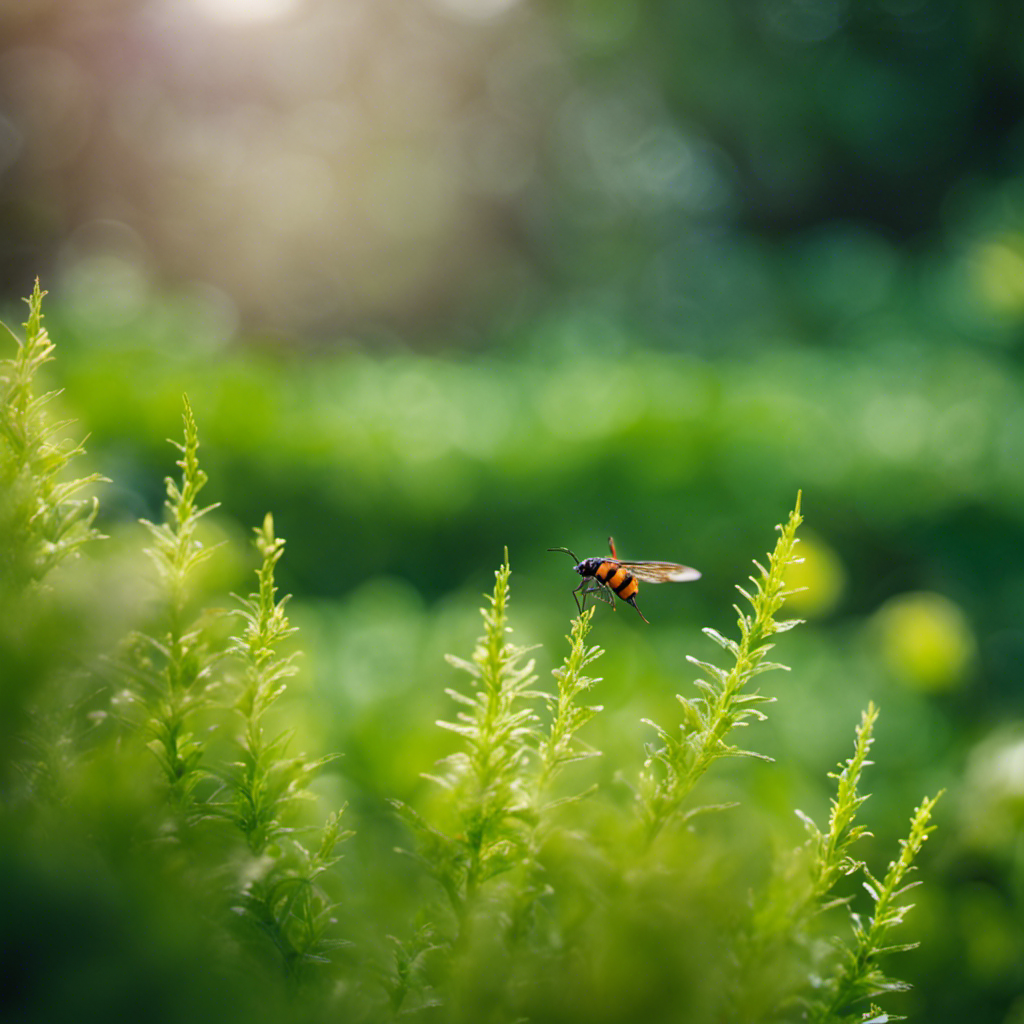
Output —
<point x="619" y="578"/>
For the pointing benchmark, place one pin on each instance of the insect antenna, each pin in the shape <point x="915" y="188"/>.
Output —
<point x="567" y="551"/>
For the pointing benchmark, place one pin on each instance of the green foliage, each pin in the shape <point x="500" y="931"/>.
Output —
<point x="282" y="895"/>
<point x="263" y="782"/>
<point x="500" y="804"/>
<point x="511" y="901"/>
<point x="780" y="960"/>
<point x="174" y="671"/>
<point x="489" y="777"/>
<point x="184" y="673"/>
<point x="561" y="747"/>
<point x="859" y="976"/>
<point x="226" y="834"/>
<point x="40" y="519"/>
<point x="673" y="768"/>
<point x="42" y="524"/>
<point x="831" y="859"/>
<point x="536" y="891"/>
<point x="288" y="904"/>
<point x="176" y="552"/>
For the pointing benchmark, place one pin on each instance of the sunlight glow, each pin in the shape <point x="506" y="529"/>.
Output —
<point x="246" y="10"/>
<point x="477" y="10"/>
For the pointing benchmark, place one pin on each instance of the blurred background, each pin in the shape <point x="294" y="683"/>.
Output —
<point x="442" y="276"/>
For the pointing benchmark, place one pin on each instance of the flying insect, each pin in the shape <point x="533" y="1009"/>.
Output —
<point x="614" y="574"/>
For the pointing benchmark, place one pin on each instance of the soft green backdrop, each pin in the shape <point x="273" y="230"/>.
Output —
<point x="444" y="277"/>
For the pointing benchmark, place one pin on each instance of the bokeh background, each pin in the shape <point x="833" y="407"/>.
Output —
<point x="442" y="276"/>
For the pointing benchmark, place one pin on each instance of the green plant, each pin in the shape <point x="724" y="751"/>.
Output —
<point x="41" y="520"/>
<point x="544" y="895"/>
<point x="859" y="976"/>
<point x="489" y="777"/>
<point x="673" y="768"/>
<point x="43" y="523"/>
<point x="780" y="961"/>
<point x="282" y="895"/>
<point x="263" y="782"/>
<point x="173" y="670"/>
<point x="513" y="897"/>
<point x="501" y="808"/>
<point x="288" y="904"/>
<point x="186" y="671"/>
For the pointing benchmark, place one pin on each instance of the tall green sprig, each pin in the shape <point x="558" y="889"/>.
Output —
<point x="859" y="976"/>
<point x="289" y="905"/>
<point x="175" y="551"/>
<point x="489" y="799"/>
<point x="263" y="781"/>
<point x="831" y="859"/>
<point x="674" y="766"/>
<point x="502" y="808"/>
<point x="488" y="778"/>
<point x="282" y="894"/>
<point x="767" y="974"/>
<point x="560" y="747"/>
<point x="174" y="670"/>
<point x="557" y="747"/>
<point x="41" y="520"/>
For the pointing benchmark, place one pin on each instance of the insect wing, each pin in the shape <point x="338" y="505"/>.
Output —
<point x="661" y="572"/>
<point x="601" y="593"/>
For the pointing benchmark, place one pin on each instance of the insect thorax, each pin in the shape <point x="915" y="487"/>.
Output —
<point x="589" y="566"/>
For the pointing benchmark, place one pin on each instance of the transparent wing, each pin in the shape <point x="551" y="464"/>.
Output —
<point x="661" y="572"/>
<point x="601" y="593"/>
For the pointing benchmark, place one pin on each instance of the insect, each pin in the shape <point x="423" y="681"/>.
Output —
<point x="622" y="577"/>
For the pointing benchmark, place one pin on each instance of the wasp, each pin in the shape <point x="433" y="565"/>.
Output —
<point x="622" y="577"/>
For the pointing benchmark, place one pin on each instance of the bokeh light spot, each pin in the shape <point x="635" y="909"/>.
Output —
<point x="998" y="272"/>
<point x="246" y="10"/>
<point x="926" y="641"/>
<point x="895" y="425"/>
<point x="477" y="10"/>
<point x="822" y="575"/>
<point x="103" y="275"/>
<point x="960" y="433"/>
<point x="994" y="805"/>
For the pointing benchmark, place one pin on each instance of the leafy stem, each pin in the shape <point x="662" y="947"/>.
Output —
<point x="41" y="520"/>
<point x="675" y="766"/>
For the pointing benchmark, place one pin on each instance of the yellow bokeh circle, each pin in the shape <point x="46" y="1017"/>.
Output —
<point x="925" y="640"/>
